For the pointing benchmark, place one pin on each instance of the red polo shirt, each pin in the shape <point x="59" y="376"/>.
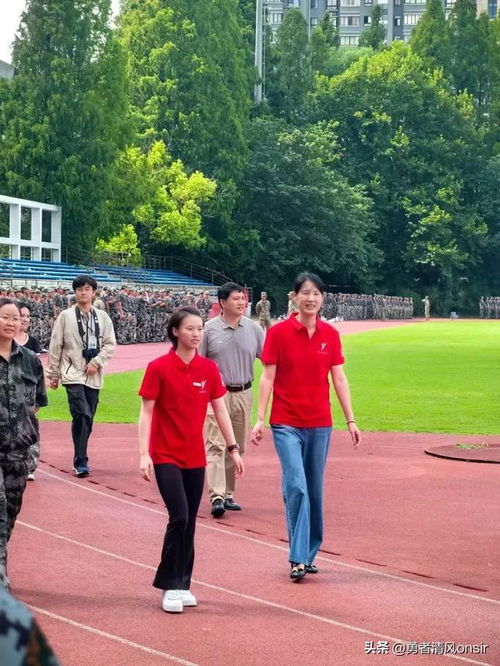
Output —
<point x="301" y="392"/>
<point x="181" y="392"/>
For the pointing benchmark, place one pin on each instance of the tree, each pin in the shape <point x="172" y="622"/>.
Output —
<point x="153" y="194"/>
<point x="374" y="35"/>
<point x="191" y="88"/>
<point x="343" y="57"/>
<point x="190" y="80"/>
<point x="247" y="13"/>
<point x="489" y="188"/>
<point x="292" y="80"/>
<point x="430" y="38"/>
<point x="331" y="33"/>
<point x="469" y="67"/>
<point x="303" y="209"/>
<point x="124" y="243"/>
<point x="64" y="114"/>
<point x="412" y="143"/>
<point x="493" y="137"/>
<point x="324" y="40"/>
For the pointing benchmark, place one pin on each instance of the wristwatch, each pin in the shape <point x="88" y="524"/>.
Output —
<point x="233" y="447"/>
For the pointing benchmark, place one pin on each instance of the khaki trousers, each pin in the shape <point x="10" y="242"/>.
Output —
<point x="220" y="468"/>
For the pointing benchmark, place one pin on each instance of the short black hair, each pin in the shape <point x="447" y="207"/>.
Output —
<point x="176" y="319"/>
<point x="22" y="304"/>
<point x="226" y="289"/>
<point x="312" y="277"/>
<point x="82" y="280"/>
<point x="9" y="301"/>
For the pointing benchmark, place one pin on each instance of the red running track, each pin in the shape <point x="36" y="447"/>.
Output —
<point x="410" y="554"/>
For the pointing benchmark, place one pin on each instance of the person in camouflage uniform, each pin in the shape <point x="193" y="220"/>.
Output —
<point x="98" y="302"/>
<point x="22" y="642"/>
<point x="204" y="305"/>
<point x="489" y="307"/>
<point x="22" y="393"/>
<point x="136" y="316"/>
<point x="263" y="311"/>
<point x="427" y="308"/>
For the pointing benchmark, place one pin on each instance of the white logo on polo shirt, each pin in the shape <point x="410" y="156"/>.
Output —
<point x="323" y="346"/>
<point x="201" y="385"/>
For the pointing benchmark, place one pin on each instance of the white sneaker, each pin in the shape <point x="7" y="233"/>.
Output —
<point x="171" y="601"/>
<point x="187" y="598"/>
<point x="30" y="476"/>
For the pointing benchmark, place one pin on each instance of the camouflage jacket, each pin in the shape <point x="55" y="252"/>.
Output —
<point x="263" y="309"/>
<point x="22" y="391"/>
<point x="21" y="640"/>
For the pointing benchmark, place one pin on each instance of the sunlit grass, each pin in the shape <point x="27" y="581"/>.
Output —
<point x="432" y="377"/>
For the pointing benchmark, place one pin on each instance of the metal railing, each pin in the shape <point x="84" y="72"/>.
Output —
<point x="149" y="262"/>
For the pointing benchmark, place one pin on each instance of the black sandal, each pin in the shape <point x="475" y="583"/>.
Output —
<point x="298" y="571"/>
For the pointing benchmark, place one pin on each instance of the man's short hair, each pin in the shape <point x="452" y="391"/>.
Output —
<point x="226" y="289"/>
<point x="82" y="280"/>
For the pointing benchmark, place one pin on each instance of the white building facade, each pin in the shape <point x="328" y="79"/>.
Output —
<point x="30" y="229"/>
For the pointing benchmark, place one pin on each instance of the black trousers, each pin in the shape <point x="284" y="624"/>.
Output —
<point x="181" y="490"/>
<point x="82" y="402"/>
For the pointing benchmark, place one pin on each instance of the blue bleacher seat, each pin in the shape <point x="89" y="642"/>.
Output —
<point x="23" y="269"/>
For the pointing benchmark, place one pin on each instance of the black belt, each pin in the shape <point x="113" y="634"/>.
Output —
<point x="239" y="387"/>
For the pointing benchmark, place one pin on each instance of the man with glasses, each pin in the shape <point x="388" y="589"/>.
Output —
<point x="82" y="342"/>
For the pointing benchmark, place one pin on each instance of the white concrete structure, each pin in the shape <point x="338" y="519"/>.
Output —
<point x="34" y="221"/>
<point x="6" y="70"/>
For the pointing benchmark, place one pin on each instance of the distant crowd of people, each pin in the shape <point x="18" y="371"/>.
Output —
<point x="489" y="307"/>
<point x="365" y="306"/>
<point x="143" y="315"/>
<point x="137" y="316"/>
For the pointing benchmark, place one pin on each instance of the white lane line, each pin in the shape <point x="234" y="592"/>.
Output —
<point x="240" y="595"/>
<point x="260" y="542"/>
<point x="112" y="637"/>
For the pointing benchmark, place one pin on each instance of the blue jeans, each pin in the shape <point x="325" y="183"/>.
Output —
<point x="302" y="453"/>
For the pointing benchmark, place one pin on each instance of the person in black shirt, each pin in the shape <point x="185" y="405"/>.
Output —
<point x="23" y="338"/>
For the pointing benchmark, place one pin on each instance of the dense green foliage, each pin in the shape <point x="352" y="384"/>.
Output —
<point x="429" y="377"/>
<point x="64" y="114"/>
<point x="376" y="166"/>
<point x="430" y="38"/>
<point x="413" y="145"/>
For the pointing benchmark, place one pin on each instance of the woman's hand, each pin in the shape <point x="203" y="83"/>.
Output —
<point x="257" y="433"/>
<point x="355" y="434"/>
<point x="239" y="468"/>
<point x="146" y="467"/>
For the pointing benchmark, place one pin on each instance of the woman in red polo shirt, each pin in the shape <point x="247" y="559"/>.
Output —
<point x="299" y="354"/>
<point x="175" y="393"/>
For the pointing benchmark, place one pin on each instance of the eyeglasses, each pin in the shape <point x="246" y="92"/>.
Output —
<point x="7" y="318"/>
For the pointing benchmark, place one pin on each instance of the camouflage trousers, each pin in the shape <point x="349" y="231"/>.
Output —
<point x="12" y="484"/>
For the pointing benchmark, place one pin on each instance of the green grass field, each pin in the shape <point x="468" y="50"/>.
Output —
<point x="433" y="377"/>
